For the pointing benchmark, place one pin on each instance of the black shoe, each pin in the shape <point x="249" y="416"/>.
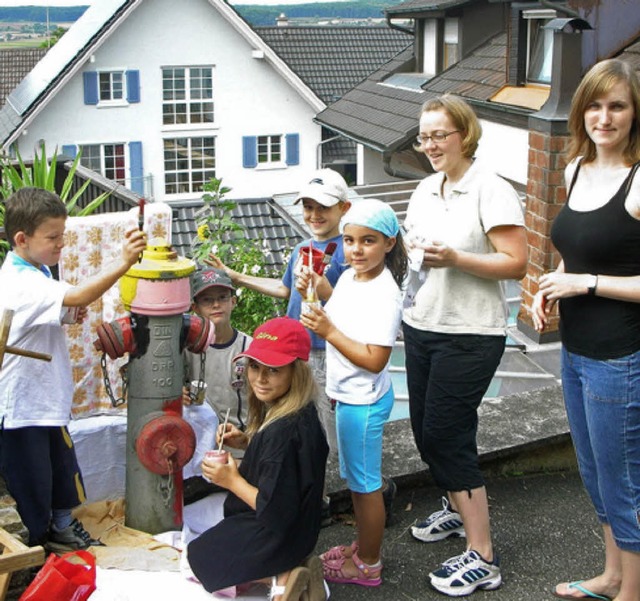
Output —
<point x="389" y="490"/>
<point x="71" y="538"/>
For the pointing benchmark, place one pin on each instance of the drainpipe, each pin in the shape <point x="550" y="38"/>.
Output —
<point x="319" y="150"/>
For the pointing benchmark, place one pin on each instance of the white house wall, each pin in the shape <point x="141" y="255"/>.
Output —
<point x="250" y="98"/>
<point x="505" y="150"/>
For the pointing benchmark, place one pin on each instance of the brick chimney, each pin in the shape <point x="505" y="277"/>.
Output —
<point x="548" y="139"/>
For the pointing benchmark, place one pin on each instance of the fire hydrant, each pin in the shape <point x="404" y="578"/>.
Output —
<point x="156" y="291"/>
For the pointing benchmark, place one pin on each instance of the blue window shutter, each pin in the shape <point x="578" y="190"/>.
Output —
<point x="249" y="152"/>
<point x="135" y="162"/>
<point x="293" y="149"/>
<point x="70" y="150"/>
<point x="133" y="86"/>
<point x="90" y="87"/>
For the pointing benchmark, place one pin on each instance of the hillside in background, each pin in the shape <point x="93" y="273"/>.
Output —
<point x="38" y="14"/>
<point x="255" y="15"/>
<point x="266" y="15"/>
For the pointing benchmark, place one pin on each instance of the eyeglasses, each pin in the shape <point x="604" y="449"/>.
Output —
<point x="209" y="301"/>
<point x="436" y="136"/>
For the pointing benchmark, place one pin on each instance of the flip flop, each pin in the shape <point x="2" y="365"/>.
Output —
<point x="587" y="594"/>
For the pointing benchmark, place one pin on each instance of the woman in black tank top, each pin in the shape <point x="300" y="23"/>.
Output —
<point x="597" y="284"/>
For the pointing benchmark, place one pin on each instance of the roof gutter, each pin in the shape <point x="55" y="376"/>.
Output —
<point x="350" y="137"/>
<point x="399" y="27"/>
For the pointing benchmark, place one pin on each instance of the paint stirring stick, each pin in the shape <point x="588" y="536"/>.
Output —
<point x="224" y="429"/>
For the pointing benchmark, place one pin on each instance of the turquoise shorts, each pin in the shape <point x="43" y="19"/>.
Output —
<point x="360" y="430"/>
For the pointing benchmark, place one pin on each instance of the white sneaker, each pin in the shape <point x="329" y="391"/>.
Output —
<point x="439" y="525"/>
<point x="463" y="574"/>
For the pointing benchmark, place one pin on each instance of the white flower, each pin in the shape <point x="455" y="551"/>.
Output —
<point x="255" y="270"/>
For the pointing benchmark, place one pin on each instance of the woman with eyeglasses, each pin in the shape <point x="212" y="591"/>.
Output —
<point x="466" y="224"/>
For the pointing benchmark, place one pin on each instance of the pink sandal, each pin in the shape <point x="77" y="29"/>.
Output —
<point x="338" y="552"/>
<point x="367" y="575"/>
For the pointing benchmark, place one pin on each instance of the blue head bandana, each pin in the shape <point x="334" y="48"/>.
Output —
<point x="374" y="214"/>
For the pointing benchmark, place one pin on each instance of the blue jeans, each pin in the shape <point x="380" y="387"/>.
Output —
<point x="603" y="406"/>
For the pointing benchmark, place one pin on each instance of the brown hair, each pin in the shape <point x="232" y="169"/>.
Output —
<point x="301" y="392"/>
<point x="463" y="117"/>
<point x="28" y="208"/>
<point x="598" y="81"/>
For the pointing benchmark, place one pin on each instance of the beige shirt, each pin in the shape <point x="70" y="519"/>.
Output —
<point x="451" y="301"/>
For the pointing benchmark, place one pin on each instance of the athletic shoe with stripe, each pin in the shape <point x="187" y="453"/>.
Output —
<point x="463" y="574"/>
<point x="439" y="525"/>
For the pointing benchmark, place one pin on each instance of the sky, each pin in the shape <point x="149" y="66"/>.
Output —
<point x="88" y="2"/>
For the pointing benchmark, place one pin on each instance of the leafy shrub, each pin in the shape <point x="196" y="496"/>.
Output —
<point x="219" y="233"/>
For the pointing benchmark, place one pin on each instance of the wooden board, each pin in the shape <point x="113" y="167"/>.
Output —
<point x="16" y="556"/>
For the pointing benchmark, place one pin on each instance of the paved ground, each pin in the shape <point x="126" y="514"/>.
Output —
<point x="544" y="529"/>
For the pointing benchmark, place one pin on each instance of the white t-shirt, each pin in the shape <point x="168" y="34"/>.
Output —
<point x="34" y="392"/>
<point x="452" y="301"/>
<point x="367" y="312"/>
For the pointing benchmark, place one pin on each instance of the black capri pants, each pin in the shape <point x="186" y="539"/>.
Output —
<point x="447" y="376"/>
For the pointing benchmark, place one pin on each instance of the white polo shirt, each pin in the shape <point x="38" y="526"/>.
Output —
<point x="451" y="301"/>
<point x="34" y="392"/>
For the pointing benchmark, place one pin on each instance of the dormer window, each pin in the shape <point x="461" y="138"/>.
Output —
<point x="539" y="45"/>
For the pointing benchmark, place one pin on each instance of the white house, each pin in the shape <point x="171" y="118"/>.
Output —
<point x="161" y="95"/>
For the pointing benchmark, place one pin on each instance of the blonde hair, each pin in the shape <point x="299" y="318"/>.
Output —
<point x="598" y="81"/>
<point x="302" y="391"/>
<point x="463" y="117"/>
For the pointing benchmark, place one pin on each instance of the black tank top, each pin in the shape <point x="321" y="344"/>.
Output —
<point x="604" y="241"/>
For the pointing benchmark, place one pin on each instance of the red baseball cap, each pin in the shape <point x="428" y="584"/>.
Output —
<point x="278" y="342"/>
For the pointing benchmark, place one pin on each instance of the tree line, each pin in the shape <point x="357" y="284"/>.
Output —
<point x="254" y="14"/>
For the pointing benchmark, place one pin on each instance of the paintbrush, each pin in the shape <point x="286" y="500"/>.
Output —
<point x="140" y="220"/>
<point x="328" y="253"/>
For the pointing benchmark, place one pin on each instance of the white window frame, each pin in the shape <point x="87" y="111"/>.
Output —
<point x="188" y="171"/>
<point x="536" y="19"/>
<point x="266" y="153"/>
<point x="112" y="87"/>
<point x="103" y="167"/>
<point x="189" y="98"/>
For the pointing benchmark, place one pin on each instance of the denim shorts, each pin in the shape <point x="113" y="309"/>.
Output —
<point x="360" y="430"/>
<point x="602" y="398"/>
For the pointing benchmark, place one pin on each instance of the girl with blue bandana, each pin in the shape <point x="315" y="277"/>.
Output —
<point x="360" y="323"/>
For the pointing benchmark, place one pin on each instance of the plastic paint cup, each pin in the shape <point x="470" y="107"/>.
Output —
<point x="216" y="456"/>
<point x="303" y="260"/>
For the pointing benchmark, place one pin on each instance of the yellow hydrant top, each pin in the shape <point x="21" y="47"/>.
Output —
<point x="159" y="283"/>
<point x="161" y="262"/>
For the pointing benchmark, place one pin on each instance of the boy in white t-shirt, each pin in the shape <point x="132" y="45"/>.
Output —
<point x="37" y="457"/>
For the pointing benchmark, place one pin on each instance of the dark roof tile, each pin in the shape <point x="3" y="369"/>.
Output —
<point x="331" y="60"/>
<point x="15" y="63"/>
<point x="385" y="117"/>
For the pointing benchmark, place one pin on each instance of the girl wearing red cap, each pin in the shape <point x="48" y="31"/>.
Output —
<point x="273" y="510"/>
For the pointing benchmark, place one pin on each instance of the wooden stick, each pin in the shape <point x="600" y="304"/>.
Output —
<point x="23" y="353"/>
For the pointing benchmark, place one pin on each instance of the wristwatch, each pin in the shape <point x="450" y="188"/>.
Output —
<point x="593" y="284"/>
